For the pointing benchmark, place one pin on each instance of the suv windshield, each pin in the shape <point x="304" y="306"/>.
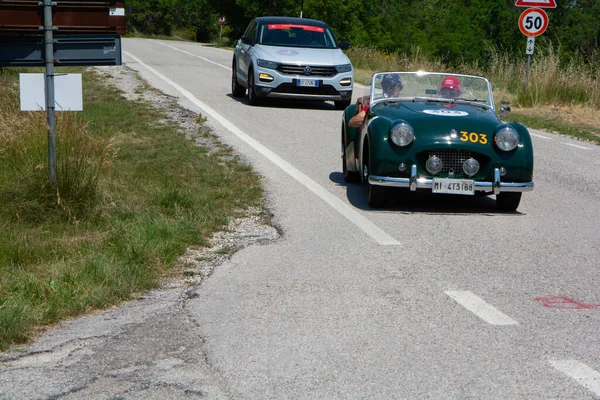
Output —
<point x="296" y="35"/>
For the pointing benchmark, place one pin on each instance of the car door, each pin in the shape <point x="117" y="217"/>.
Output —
<point x="246" y="51"/>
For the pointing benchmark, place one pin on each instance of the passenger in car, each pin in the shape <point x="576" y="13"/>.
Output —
<point x="450" y="87"/>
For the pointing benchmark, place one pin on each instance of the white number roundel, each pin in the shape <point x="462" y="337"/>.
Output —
<point x="533" y="22"/>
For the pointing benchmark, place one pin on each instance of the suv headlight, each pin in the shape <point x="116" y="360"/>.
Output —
<point x="267" y="64"/>
<point x="507" y="139"/>
<point x="343" y="68"/>
<point x="402" y="134"/>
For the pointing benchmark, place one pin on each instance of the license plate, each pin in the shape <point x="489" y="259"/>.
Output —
<point x="307" y="82"/>
<point x="453" y="186"/>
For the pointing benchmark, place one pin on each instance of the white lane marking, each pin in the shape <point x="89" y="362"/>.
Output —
<point x="578" y="146"/>
<point x="350" y="213"/>
<point x="192" y="54"/>
<point x="540" y="136"/>
<point x="581" y="373"/>
<point x="483" y="310"/>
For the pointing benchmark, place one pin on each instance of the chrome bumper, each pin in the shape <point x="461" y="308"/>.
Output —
<point x="414" y="183"/>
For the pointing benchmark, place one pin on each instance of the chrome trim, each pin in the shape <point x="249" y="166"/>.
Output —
<point x="414" y="183"/>
<point x="413" y="178"/>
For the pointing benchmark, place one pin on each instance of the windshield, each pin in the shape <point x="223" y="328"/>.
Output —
<point x="296" y="35"/>
<point x="430" y="86"/>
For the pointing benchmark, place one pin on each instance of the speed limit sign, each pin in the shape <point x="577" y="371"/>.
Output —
<point x="533" y="22"/>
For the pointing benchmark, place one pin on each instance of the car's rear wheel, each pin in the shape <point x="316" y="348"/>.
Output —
<point x="342" y="104"/>
<point x="236" y="89"/>
<point x="508" y="201"/>
<point x="349" y="176"/>
<point x="253" y="98"/>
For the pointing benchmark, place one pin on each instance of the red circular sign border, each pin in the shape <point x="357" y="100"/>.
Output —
<point x="524" y="14"/>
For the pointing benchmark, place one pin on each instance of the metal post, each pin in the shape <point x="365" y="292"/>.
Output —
<point x="50" y="104"/>
<point x="301" y="8"/>
<point x="527" y="71"/>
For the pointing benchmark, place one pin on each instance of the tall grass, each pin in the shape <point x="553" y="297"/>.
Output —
<point x="24" y="173"/>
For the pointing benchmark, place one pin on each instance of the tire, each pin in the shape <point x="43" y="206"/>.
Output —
<point x="253" y="98"/>
<point x="342" y="104"/>
<point x="236" y="89"/>
<point x="349" y="176"/>
<point x="508" y="201"/>
<point x="377" y="195"/>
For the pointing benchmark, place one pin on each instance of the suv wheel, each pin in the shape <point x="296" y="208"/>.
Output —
<point x="236" y="89"/>
<point x="342" y="104"/>
<point x="253" y="98"/>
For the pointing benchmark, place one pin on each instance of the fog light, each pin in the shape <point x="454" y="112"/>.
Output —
<point x="434" y="165"/>
<point x="502" y="171"/>
<point x="346" y="81"/>
<point x="402" y="167"/>
<point x="471" y="166"/>
<point x="265" y="78"/>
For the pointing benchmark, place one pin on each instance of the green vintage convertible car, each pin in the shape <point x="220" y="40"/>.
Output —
<point x="435" y="132"/>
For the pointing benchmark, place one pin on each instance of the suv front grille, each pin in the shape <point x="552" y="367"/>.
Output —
<point x="315" y="70"/>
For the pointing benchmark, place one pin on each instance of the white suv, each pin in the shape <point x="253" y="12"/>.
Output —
<point x="291" y="58"/>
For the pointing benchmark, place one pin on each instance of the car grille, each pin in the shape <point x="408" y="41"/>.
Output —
<point x="301" y="70"/>
<point x="452" y="160"/>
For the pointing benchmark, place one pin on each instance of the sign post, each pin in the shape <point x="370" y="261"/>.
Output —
<point x="532" y="22"/>
<point x="88" y="34"/>
<point x="221" y="21"/>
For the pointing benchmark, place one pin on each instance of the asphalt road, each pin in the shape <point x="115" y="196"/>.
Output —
<point x="425" y="299"/>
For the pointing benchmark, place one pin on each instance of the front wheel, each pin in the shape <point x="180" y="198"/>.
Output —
<point x="508" y="201"/>
<point x="236" y="89"/>
<point x="253" y="99"/>
<point x="377" y="196"/>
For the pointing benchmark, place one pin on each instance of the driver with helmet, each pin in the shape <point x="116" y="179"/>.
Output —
<point x="391" y="85"/>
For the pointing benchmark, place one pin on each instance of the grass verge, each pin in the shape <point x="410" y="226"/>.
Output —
<point x="133" y="193"/>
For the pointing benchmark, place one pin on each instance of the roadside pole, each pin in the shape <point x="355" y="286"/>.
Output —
<point x="533" y="22"/>
<point x="50" y="104"/>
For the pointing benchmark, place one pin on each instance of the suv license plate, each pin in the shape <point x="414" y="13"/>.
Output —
<point x="453" y="186"/>
<point x="307" y="82"/>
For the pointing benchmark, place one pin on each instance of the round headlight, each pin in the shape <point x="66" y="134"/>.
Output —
<point x="434" y="164"/>
<point x="402" y="134"/>
<point x="507" y="139"/>
<point x="471" y="166"/>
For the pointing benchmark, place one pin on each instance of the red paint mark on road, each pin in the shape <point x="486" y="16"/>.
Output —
<point x="565" y="303"/>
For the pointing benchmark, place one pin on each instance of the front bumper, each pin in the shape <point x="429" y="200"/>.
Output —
<point x="278" y="85"/>
<point x="414" y="183"/>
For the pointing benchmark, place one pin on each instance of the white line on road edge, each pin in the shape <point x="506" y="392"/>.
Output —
<point x="352" y="215"/>
<point x="578" y="146"/>
<point x="483" y="310"/>
<point x="192" y="54"/>
<point x="540" y="136"/>
<point x="581" y="373"/>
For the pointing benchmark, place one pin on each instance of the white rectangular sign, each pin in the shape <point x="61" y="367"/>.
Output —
<point x="530" y="45"/>
<point x="68" y="92"/>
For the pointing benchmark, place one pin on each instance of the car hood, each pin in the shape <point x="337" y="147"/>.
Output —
<point x="301" y="56"/>
<point x="437" y="120"/>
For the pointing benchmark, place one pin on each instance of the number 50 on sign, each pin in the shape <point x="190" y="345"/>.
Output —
<point x="533" y="22"/>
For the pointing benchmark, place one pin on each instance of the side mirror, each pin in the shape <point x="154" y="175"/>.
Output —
<point x="505" y="111"/>
<point x="247" y="40"/>
<point x="344" y="45"/>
